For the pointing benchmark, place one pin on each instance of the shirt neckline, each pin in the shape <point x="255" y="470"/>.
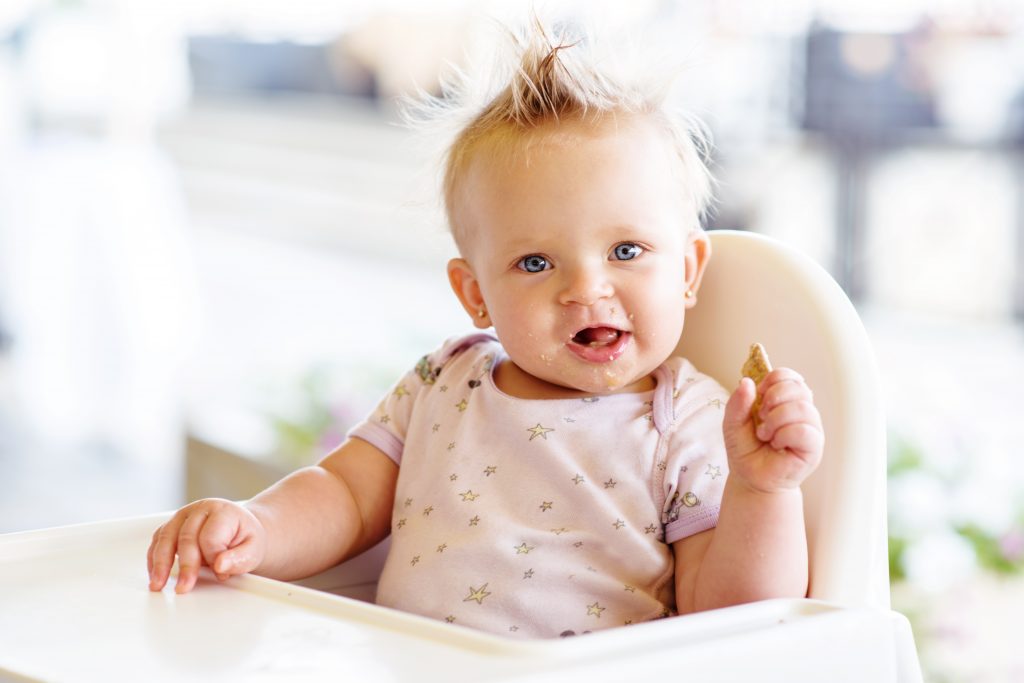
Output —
<point x="640" y="396"/>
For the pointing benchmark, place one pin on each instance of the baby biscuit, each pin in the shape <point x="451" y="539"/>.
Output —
<point x="756" y="367"/>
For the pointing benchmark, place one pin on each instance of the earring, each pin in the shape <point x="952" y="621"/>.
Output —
<point x="689" y="294"/>
<point x="481" y="313"/>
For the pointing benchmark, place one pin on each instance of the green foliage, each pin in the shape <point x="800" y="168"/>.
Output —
<point x="992" y="551"/>
<point x="897" y="547"/>
<point x="903" y="456"/>
<point x="1001" y="553"/>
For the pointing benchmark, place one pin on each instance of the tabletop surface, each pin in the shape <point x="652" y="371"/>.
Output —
<point x="75" y="606"/>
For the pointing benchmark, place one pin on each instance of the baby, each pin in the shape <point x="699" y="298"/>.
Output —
<point x="568" y="473"/>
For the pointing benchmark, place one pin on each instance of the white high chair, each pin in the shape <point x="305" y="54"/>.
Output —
<point x="251" y="628"/>
<point x="757" y="289"/>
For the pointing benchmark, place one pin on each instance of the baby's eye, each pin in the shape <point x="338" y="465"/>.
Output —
<point x="627" y="251"/>
<point x="533" y="263"/>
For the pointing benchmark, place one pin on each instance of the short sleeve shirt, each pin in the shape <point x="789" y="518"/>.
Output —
<point x="541" y="518"/>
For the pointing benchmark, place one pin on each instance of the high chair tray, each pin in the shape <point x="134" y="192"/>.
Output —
<point x="75" y="606"/>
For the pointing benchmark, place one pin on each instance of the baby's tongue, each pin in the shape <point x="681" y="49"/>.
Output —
<point x="596" y="336"/>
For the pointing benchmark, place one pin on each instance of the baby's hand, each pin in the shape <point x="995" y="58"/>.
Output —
<point x="212" y="532"/>
<point x="786" y="446"/>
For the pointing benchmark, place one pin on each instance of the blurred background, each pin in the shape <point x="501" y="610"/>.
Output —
<point x="218" y="246"/>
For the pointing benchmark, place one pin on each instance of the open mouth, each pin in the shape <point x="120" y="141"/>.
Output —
<point x="599" y="344"/>
<point x="597" y="336"/>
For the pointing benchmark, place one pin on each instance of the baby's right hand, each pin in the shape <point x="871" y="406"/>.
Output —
<point x="212" y="532"/>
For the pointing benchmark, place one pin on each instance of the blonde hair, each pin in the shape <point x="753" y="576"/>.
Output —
<point x="536" y="80"/>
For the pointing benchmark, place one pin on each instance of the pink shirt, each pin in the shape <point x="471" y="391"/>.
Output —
<point x="540" y="518"/>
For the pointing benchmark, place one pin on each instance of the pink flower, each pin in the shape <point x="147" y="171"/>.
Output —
<point x="1012" y="545"/>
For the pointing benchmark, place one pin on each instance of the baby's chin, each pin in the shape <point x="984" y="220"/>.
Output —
<point x="608" y="378"/>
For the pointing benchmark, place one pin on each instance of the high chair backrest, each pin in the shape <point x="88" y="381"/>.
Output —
<point x="756" y="289"/>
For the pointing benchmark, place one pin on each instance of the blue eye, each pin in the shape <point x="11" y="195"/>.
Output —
<point x="627" y="251"/>
<point x="533" y="264"/>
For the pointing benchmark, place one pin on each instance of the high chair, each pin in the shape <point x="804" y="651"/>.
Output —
<point x="81" y="592"/>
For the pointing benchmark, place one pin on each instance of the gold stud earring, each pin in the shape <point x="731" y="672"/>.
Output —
<point x="481" y="313"/>
<point x="689" y="294"/>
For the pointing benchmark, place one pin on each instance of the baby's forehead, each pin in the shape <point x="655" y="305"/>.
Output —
<point x="514" y="161"/>
<point x="512" y="143"/>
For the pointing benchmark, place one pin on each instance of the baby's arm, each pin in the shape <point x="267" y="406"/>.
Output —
<point x="307" y="522"/>
<point x="759" y="548"/>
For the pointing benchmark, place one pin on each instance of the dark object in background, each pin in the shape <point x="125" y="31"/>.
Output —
<point x="226" y="65"/>
<point x="862" y="91"/>
<point x="865" y="87"/>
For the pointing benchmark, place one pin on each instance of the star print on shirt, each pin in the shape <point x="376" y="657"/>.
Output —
<point x="528" y="574"/>
<point x="474" y="521"/>
<point x="545" y="506"/>
<point x="462" y="405"/>
<point x="469" y="496"/>
<point x="523" y="549"/>
<point x="427" y="510"/>
<point x="610" y="484"/>
<point x="650" y="529"/>
<point x="715" y="402"/>
<point x="595" y="610"/>
<point x="578" y="480"/>
<point x="619" y="524"/>
<point x="401" y="391"/>
<point x="714" y="471"/>
<point x="539" y="431"/>
<point x="384" y="419"/>
<point x="477" y="595"/>
<point x="490" y="470"/>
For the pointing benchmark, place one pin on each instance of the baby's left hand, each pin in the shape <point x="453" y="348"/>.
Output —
<point x="787" y="445"/>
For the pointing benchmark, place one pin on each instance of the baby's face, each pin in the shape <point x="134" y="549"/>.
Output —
<point x="582" y="252"/>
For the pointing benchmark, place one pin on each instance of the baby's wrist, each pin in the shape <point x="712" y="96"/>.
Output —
<point x="779" y="489"/>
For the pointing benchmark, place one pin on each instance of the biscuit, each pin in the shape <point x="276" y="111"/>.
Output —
<point x="756" y="367"/>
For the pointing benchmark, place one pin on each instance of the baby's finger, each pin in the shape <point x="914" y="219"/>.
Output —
<point x="161" y="552"/>
<point x="804" y="440"/>
<point x="241" y="559"/>
<point x="218" y="533"/>
<point x="784" y="414"/>
<point x="779" y="375"/>
<point x="149" y="555"/>
<point x="737" y="409"/>
<point x="190" y="557"/>
<point x="784" y="391"/>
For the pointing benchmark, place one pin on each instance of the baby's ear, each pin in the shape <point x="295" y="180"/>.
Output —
<point x="698" y="253"/>
<point x="467" y="289"/>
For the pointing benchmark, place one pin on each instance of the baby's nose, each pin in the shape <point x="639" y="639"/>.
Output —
<point x="585" y="286"/>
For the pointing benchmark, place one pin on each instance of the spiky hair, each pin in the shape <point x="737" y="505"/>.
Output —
<point x="541" y="75"/>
